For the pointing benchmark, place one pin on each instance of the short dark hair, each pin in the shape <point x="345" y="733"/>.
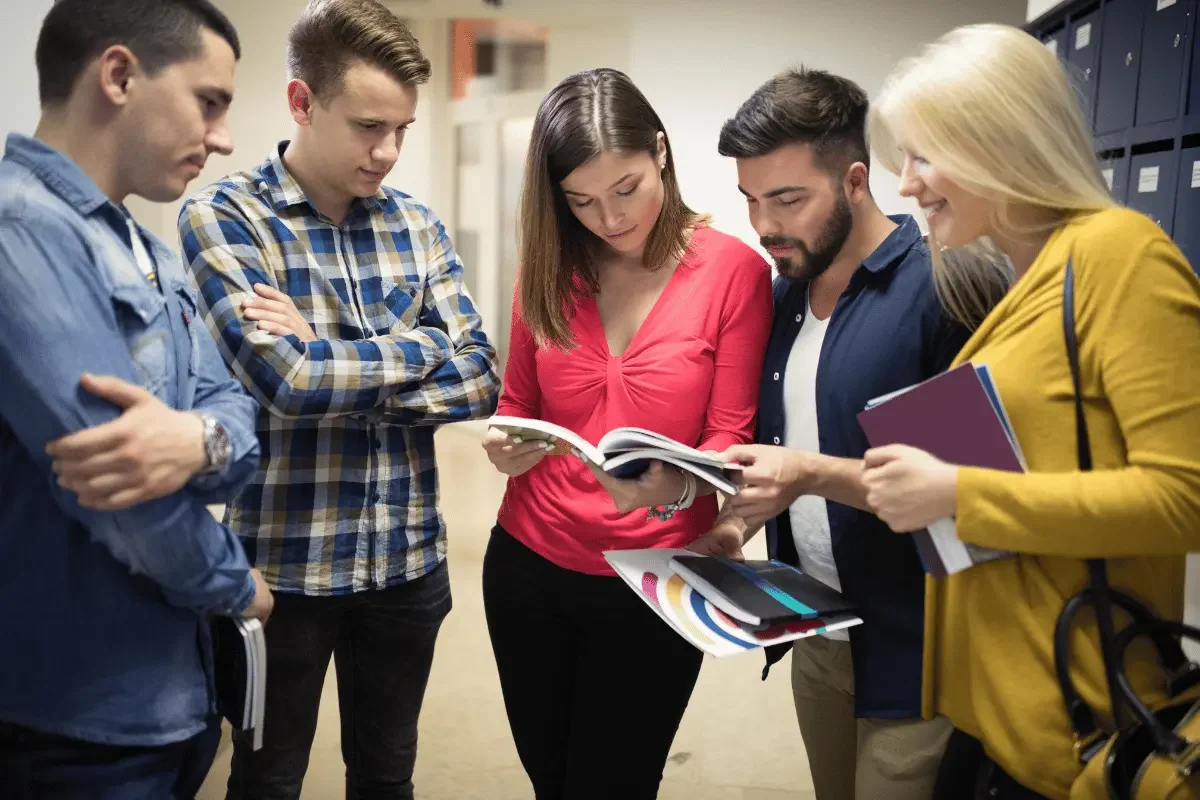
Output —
<point x="802" y="106"/>
<point x="159" y="32"/>
<point x="331" y="34"/>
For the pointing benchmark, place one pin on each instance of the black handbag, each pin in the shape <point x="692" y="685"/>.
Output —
<point x="1154" y="755"/>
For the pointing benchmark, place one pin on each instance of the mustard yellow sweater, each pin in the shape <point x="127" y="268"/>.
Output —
<point x="989" y="656"/>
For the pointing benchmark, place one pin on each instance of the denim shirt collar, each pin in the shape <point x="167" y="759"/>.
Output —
<point x="60" y="174"/>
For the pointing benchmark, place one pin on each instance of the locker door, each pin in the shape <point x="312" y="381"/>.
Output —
<point x="1120" y="59"/>
<point x="1187" y="206"/>
<point x="1152" y="178"/>
<point x="1057" y="42"/>
<point x="1116" y="175"/>
<point x="1163" y="49"/>
<point x="1083" y="46"/>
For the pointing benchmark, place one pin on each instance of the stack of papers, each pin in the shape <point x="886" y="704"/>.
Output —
<point x="240" y="661"/>
<point x="959" y="418"/>
<point x="657" y="577"/>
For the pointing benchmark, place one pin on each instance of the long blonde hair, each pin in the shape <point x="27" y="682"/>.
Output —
<point x="992" y="108"/>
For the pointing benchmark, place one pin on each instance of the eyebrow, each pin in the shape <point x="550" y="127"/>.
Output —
<point x="220" y="94"/>
<point x="378" y="121"/>
<point x="775" y="192"/>
<point x="615" y="185"/>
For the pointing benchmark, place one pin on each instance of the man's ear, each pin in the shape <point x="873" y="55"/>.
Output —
<point x="300" y="101"/>
<point x="117" y="69"/>
<point x="858" y="182"/>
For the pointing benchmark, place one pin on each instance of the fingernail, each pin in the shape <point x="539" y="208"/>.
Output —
<point x="547" y="446"/>
<point x="517" y="440"/>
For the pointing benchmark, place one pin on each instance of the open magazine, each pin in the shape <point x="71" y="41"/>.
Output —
<point x="623" y="452"/>
<point x="651" y="575"/>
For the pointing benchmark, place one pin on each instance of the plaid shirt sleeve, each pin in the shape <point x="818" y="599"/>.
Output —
<point x="290" y="378"/>
<point x="468" y="385"/>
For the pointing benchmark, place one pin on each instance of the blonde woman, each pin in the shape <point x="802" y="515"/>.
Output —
<point x="985" y="132"/>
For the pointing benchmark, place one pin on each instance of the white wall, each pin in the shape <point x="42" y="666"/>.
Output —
<point x="697" y="69"/>
<point x="18" y="90"/>
<point x="1036" y="8"/>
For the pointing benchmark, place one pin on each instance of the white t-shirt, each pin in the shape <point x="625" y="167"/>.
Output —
<point x="809" y="516"/>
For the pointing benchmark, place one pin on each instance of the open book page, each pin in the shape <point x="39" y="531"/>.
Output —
<point x="709" y="473"/>
<point x="538" y="430"/>
<point x="649" y="574"/>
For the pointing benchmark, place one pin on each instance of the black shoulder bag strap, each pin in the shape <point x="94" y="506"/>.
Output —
<point x="1096" y="566"/>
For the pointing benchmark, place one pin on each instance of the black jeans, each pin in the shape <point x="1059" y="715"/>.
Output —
<point x="382" y="644"/>
<point x="42" y="766"/>
<point x="594" y="683"/>
<point x="968" y="774"/>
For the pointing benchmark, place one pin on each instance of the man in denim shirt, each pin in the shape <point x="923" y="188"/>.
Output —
<point x="118" y="421"/>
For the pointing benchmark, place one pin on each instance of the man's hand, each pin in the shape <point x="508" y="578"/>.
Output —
<point x="277" y="314"/>
<point x="263" y="604"/>
<point x="149" y="452"/>
<point x="772" y="479"/>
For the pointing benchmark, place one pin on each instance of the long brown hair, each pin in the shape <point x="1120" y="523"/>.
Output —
<point x="584" y="115"/>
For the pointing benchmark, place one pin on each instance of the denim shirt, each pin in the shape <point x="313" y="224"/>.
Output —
<point x="887" y="331"/>
<point x="103" y="635"/>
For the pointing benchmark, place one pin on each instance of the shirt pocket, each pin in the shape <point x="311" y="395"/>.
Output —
<point x="142" y="319"/>
<point x="401" y="305"/>
<point x="190" y="311"/>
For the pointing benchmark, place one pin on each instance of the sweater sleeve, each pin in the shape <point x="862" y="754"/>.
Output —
<point x="745" y="325"/>
<point x="1145" y="340"/>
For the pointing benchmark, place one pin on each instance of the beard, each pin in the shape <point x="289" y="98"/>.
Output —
<point x="829" y="242"/>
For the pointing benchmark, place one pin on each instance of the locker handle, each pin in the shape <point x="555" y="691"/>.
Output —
<point x="1128" y="59"/>
<point x="1177" y="40"/>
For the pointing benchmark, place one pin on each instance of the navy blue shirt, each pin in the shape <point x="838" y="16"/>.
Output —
<point x="888" y="331"/>
<point x="103" y="636"/>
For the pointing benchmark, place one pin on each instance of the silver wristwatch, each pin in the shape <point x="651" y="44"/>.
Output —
<point x="217" y="448"/>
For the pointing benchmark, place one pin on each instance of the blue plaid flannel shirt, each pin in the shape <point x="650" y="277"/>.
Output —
<point x="345" y="499"/>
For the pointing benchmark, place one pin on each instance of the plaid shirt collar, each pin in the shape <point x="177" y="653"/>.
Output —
<point x="281" y="189"/>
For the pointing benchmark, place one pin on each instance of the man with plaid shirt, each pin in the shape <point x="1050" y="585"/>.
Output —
<point x="339" y="304"/>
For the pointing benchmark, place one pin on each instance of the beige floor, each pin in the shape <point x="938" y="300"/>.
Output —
<point x="738" y="740"/>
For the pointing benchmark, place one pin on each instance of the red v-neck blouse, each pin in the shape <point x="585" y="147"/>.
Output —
<point x="691" y="372"/>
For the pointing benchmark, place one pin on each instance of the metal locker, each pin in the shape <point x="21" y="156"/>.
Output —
<point x="1163" y="49"/>
<point x="1116" y="175"/>
<point x="1057" y="42"/>
<point x="1120" y="60"/>
<point x="1152" y="178"/>
<point x="1083" y="51"/>
<point x="1186" y="229"/>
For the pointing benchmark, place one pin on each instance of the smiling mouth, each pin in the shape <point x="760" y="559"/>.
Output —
<point x="378" y="176"/>
<point x="934" y="208"/>
<point x="620" y="235"/>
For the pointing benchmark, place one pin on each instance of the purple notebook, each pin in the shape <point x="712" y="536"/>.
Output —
<point x="952" y="417"/>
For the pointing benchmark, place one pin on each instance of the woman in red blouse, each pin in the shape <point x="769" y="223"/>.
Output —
<point x="629" y="310"/>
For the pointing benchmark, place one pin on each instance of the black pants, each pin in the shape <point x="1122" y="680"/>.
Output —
<point x="968" y="774"/>
<point x="41" y="766"/>
<point x="594" y="683"/>
<point x="382" y="644"/>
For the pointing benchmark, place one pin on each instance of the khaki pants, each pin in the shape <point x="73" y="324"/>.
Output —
<point x="858" y="759"/>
